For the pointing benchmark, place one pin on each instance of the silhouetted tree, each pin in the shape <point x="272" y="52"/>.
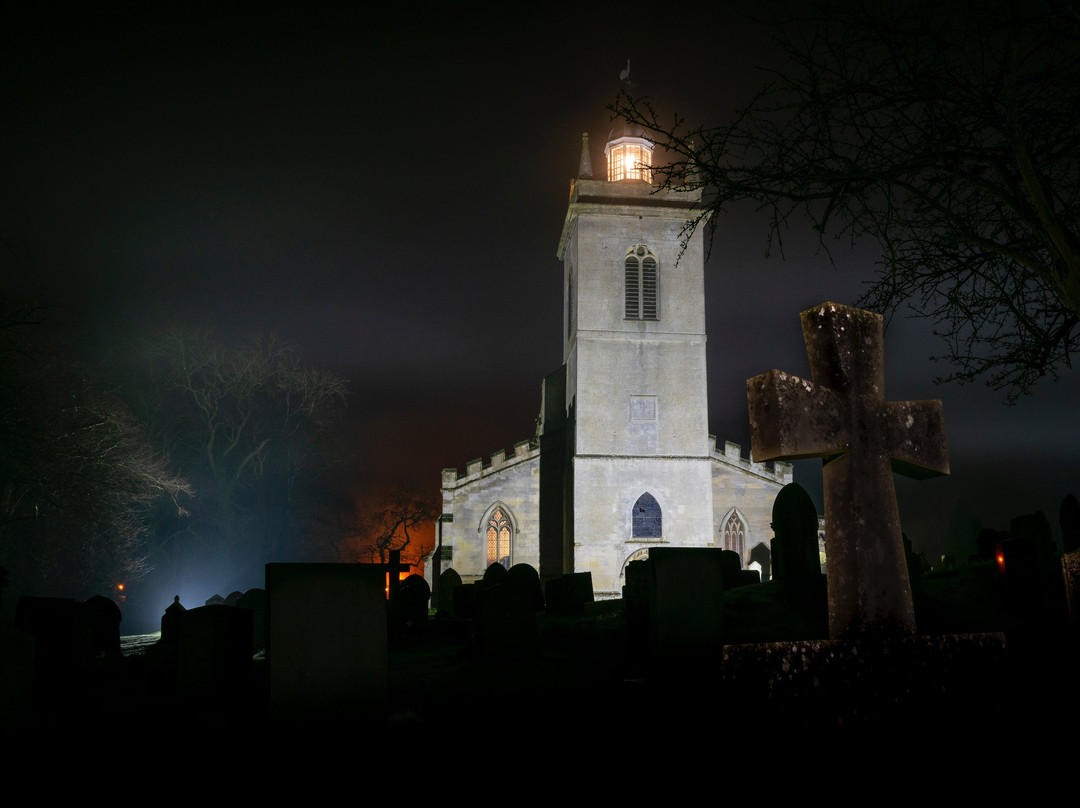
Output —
<point x="242" y="422"/>
<point x="390" y="519"/>
<point x="79" y="481"/>
<point x="949" y="132"/>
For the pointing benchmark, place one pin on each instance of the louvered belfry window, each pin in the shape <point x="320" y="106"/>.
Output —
<point x="642" y="284"/>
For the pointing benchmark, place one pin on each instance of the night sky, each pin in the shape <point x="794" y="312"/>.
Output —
<point x="386" y="192"/>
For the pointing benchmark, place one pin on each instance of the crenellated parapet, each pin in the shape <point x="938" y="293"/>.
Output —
<point x="477" y="469"/>
<point x="731" y="455"/>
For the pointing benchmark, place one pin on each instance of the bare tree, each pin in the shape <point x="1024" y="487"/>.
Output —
<point x="242" y="421"/>
<point x="949" y="133"/>
<point x="79" y="482"/>
<point x="390" y="519"/>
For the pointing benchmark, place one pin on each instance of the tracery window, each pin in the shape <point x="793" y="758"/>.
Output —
<point x="735" y="534"/>
<point x="647" y="520"/>
<point x="499" y="534"/>
<point x="642" y="284"/>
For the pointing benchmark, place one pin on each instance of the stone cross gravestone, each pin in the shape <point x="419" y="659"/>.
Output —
<point x="842" y="416"/>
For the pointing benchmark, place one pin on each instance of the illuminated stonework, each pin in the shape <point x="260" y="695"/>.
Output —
<point x="621" y="459"/>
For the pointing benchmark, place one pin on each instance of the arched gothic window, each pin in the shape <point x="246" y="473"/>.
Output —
<point x="499" y="533"/>
<point x="648" y="523"/>
<point x="642" y="284"/>
<point x="735" y="534"/>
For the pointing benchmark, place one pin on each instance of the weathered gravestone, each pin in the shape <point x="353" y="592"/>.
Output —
<point x="17" y="650"/>
<point x="1070" y="566"/>
<point x="1032" y="582"/>
<point x="394" y="567"/>
<point x="54" y="625"/>
<point x="171" y="620"/>
<point x="70" y="639"/>
<point x="842" y="416"/>
<point x="636" y="608"/>
<point x="568" y="594"/>
<point x="99" y="628"/>
<point x="326" y="641"/>
<point x="409" y="607"/>
<point x="733" y="574"/>
<point x="761" y="555"/>
<point x="213" y="656"/>
<point x="466" y="600"/>
<point x="988" y="541"/>
<point x="255" y="600"/>
<point x="1035" y="528"/>
<point x="873" y="670"/>
<point x="686" y="605"/>
<point x="494" y="574"/>
<point x="69" y="633"/>
<point x="449" y="580"/>
<point x="524" y="583"/>
<point x="506" y="614"/>
<point x="796" y="562"/>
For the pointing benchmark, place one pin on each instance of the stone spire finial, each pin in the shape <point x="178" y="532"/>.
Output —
<point x="585" y="169"/>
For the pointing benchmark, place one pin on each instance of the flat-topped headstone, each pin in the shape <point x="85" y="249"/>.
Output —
<point x="214" y="653"/>
<point x="733" y="574"/>
<point x="326" y="641"/>
<point x="686" y="605"/>
<point x="568" y="594"/>
<point x="842" y="416"/>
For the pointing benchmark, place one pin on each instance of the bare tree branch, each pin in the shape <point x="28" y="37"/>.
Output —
<point x="947" y="133"/>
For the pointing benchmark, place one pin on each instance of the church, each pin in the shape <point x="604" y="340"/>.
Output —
<point x="621" y="460"/>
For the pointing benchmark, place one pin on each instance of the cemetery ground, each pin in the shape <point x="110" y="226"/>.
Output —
<point x="593" y="678"/>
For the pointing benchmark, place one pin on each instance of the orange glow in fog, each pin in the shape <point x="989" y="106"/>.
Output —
<point x="401" y="577"/>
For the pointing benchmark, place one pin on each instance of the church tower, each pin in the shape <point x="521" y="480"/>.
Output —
<point x="638" y="467"/>
<point x="622" y="460"/>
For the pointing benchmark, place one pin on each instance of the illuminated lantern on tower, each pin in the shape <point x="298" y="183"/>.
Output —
<point x="629" y="155"/>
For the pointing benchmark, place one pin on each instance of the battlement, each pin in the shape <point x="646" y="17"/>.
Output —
<point x="777" y="472"/>
<point x="476" y="469"/>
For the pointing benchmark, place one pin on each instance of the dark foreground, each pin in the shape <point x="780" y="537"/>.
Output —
<point x="587" y="681"/>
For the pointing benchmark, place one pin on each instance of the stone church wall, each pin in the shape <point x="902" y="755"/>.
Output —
<point x="512" y="482"/>
<point x="606" y="491"/>
<point x="748" y="489"/>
